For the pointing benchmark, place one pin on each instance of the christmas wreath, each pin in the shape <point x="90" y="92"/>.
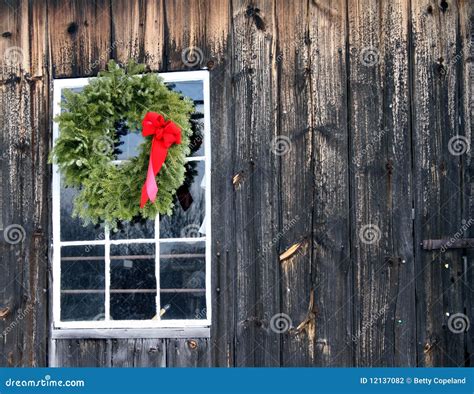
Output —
<point x="90" y="126"/>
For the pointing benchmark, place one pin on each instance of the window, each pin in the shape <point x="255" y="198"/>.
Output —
<point x="149" y="274"/>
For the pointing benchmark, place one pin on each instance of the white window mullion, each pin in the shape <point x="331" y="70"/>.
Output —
<point x="183" y="240"/>
<point x="107" y="274"/>
<point x="195" y="158"/>
<point x="208" y="200"/>
<point x="56" y="190"/>
<point x="157" y="266"/>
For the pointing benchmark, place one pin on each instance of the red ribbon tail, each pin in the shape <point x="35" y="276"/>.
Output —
<point x="144" y="198"/>
<point x="150" y="188"/>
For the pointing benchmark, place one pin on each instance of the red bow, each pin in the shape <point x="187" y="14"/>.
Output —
<point x="165" y="134"/>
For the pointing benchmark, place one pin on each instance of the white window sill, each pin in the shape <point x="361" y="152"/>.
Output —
<point x="117" y="333"/>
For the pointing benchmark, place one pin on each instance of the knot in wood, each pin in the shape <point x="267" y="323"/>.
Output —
<point x="192" y="344"/>
<point x="4" y="312"/>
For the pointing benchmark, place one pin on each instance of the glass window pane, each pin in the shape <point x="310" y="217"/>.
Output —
<point x="184" y="306"/>
<point x="191" y="89"/>
<point x="194" y="91"/>
<point x="73" y="90"/>
<point x="144" y="229"/>
<point x="132" y="282"/>
<point x="88" y="306"/>
<point x="72" y="229"/>
<point x="183" y="280"/>
<point x="188" y="213"/>
<point x="197" y="139"/>
<point x="82" y="283"/>
<point x="129" y="141"/>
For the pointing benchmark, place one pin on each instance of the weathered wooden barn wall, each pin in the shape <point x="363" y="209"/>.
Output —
<point x="368" y="93"/>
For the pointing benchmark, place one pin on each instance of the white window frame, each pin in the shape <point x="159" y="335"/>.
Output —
<point x="106" y="325"/>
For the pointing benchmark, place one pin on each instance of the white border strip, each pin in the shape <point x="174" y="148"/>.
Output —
<point x="107" y="275"/>
<point x="115" y="333"/>
<point x="207" y="152"/>
<point x="157" y="267"/>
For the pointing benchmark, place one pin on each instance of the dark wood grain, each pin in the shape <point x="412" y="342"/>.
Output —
<point x="82" y="353"/>
<point x="218" y="48"/>
<point x="438" y="179"/>
<point x="79" y="33"/>
<point x="381" y="193"/>
<point x="127" y="353"/>
<point x="294" y="133"/>
<point x="256" y="195"/>
<point x="138" y="32"/>
<point x="466" y="68"/>
<point x="188" y="352"/>
<point x="25" y="183"/>
<point x="331" y="251"/>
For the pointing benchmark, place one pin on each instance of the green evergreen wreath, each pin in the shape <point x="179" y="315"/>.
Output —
<point x="86" y="146"/>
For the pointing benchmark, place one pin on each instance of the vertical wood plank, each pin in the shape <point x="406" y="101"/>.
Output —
<point x="128" y="29"/>
<point x="39" y="80"/>
<point x="256" y="195"/>
<point x="466" y="69"/>
<point x="331" y="229"/>
<point x="185" y="35"/>
<point x="188" y="352"/>
<point x="154" y="34"/>
<point x="294" y="134"/>
<point x="217" y="45"/>
<point x="39" y="42"/>
<point x="127" y="353"/>
<point x="438" y="176"/>
<point x="15" y="132"/>
<point x="14" y="39"/>
<point x="79" y="33"/>
<point x="138" y="31"/>
<point x="382" y="248"/>
<point x="82" y="353"/>
<point x="24" y="140"/>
